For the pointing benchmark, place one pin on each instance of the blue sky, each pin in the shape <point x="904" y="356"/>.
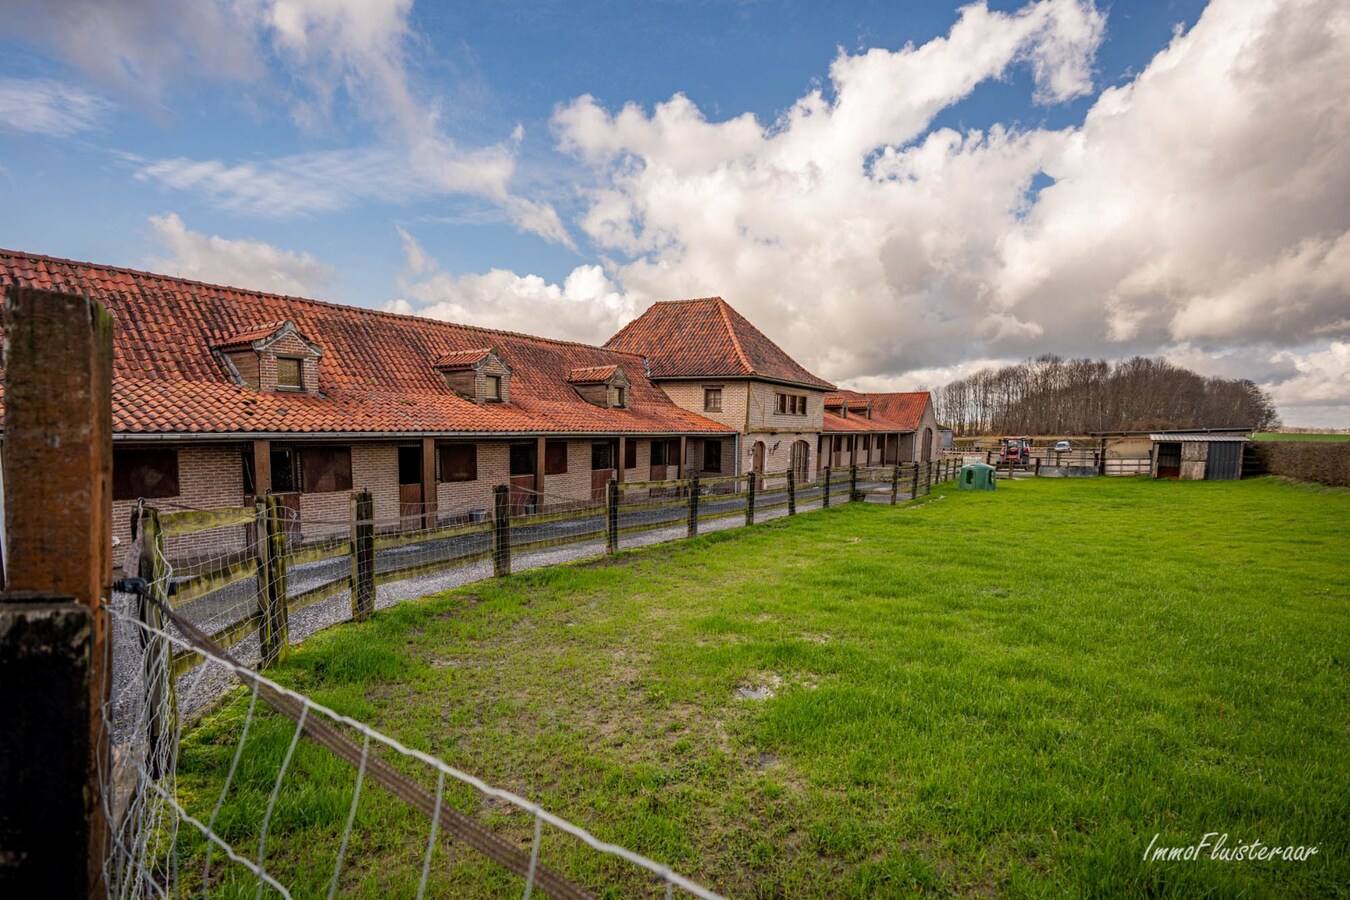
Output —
<point x="924" y="188"/>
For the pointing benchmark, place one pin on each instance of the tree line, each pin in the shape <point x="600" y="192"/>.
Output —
<point x="1052" y="395"/>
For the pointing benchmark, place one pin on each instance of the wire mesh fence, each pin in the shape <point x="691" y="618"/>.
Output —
<point x="221" y="592"/>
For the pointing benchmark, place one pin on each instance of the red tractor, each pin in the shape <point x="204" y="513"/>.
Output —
<point x="1016" y="451"/>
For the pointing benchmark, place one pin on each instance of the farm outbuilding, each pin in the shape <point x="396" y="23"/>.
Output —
<point x="1198" y="457"/>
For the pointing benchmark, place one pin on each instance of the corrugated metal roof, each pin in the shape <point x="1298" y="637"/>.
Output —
<point x="1205" y="438"/>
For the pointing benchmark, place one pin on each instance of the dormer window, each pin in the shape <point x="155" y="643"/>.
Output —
<point x="604" y="386"/>
<point x="478" y="375"/>
<point x="272" y="357"/>
<point x="290" y="374"/>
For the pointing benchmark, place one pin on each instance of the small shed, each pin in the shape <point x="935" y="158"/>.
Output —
<point x="1199" y="456"/>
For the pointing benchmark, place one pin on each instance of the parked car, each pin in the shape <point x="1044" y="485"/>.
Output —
<point x="1062" y="446"/>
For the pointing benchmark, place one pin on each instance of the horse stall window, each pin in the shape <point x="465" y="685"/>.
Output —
<point x="630" y="454"/>
<point x="285" y="479"/>
<point x="659" y="456"/>
<point x="555" y="457"/>
<point x="326" y="469"/>
<point x="712" y="456"/>
<point x="149" y="472"/>
<point x="409" y="465"/>
<point x="522" y="459"/>
<point x="459" y="462"/>
<point x="602" y="456"/>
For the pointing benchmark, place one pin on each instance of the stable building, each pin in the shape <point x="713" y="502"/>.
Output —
<point x="1197" y="456"/>
<point x="878" y="429"/>
<point x="710" y="360"/>
<point x="221" y="394"/>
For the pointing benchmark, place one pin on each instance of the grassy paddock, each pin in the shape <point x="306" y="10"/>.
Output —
<point x="1291" y="436"/>
<point x="1006" y="692"/>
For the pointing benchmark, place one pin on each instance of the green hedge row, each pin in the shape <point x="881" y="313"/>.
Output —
<point x="1325" y="462"/>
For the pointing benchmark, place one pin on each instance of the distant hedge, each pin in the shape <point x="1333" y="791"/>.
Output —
<point x="1322" y="462"/>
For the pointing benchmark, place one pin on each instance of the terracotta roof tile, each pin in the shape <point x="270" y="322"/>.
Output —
<point x="707" y="338"/>
<point x="592" y="374"/>
<point x="377" y="373"/>
<point x="462" y="359"/>
<point x="899" y="411"/>
<point x="247" y="337"/>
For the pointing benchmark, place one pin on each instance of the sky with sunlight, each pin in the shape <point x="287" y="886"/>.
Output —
<point x="896" y="192"/>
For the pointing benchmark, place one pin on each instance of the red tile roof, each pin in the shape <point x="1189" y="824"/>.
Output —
<point x="377" y="374"/>
<point x="462" y="359"/>
<point x="706" y="338"/>
<point x="890" y="412"/>
<point x="592" y="374"/>
<point x="247" y="337"/>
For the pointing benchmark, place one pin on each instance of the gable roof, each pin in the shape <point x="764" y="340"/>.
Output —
<point x="592" y="374"/>
<point x="890" y="411"/>
<point x="462" y="359"/>
<point x="707" y="338"/>
<point x="249" y="336"/>
<point x="377" y="370"/>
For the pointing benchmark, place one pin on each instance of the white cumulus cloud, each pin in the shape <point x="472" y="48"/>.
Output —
<point x="1203" y="204"/>
<point x="245" y="263"/>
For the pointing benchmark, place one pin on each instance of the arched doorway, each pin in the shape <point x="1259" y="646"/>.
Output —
<point x="757" y="458"/>
<point x="801" y="461"/>
<point x="927" y="445"/>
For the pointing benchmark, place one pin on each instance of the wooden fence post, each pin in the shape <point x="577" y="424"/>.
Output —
<point x="273" y="630"/>
<point x="58" y="526"/>
<point x="1036" y="471"/>
<point x="914" y="487"/>
<point x="895" y="485"/>
<point x="792" y="492"/>
<point x="750" y="499"/>
<point x="161" y="699"/>
<point x="363" y="554"/>
<point x="501" y="530"/>
<point x="928" y="478"/>
<point x="612" y="516"/>
<point x="693" y="505"/>
<point x="852" y="483"/>
<point x="825" y="496"/>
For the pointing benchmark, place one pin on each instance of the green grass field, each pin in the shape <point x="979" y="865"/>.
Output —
<point x="1281" y="436"/>
<point x="1000" y="693"/>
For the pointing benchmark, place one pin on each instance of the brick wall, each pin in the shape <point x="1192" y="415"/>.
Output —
<point x="209" y="475"/>
<point x="689" y="395"/>
<point x="764" y="415"/>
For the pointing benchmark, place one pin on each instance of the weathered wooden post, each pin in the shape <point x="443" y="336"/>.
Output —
<point x="501" y="530"/>
<point x="273" y="629"/>
<point x="612" y="516"/>
<point x="825" y="490"/>
<point x="852" y="483"/>
<point x="914" y="486"/>
<point x="928" y="478"/>
<point x="792" y="492"/>
<point x="58" y="523"/>
<point x="693" y="505"/>
<point x="750" y="499"/>
<point x="363" y="554"/>
<point x="895" y="484"/>
<point x="161" y="699"/>
<point x="1036" y="470"/>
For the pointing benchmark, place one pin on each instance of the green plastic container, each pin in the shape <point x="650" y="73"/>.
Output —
<point x="977" y="477"/>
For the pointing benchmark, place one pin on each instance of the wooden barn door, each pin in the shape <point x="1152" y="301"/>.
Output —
<point x="602" y="468"/>
<point x="523" y="497"/>
<point x="410" y="486"/>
